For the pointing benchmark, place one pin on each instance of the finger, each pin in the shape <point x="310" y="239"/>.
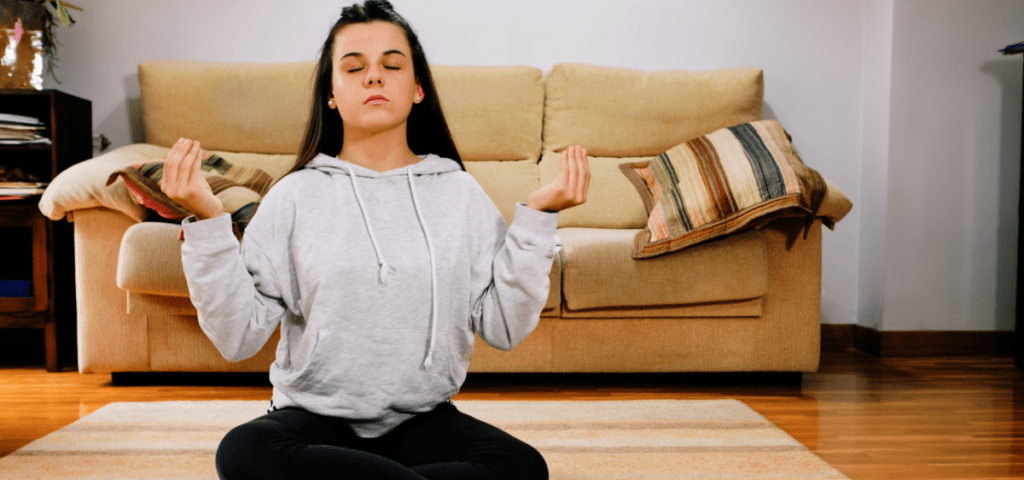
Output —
<point x="171" y="165"/>
<point x="563" y="172"/>
<point x="573" y="175"/>
<point x="188" y="159"/>
<point x="582" y="171"/>
<point x="184" y="167"/>
<point x="195" y="175"/>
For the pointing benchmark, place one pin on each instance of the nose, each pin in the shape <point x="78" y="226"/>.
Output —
<point x="373" y="74"/>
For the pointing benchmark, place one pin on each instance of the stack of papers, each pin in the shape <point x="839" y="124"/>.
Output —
<point x="19" y="129"/>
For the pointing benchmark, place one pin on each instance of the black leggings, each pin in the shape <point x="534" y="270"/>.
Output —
<point x="442" y="443"/>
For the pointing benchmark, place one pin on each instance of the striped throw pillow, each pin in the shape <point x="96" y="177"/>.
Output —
<point x="733" y="178"/>
<point x="239" y="188"/>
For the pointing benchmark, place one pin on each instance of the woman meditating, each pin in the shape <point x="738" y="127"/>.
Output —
<point x="380" y="258"/>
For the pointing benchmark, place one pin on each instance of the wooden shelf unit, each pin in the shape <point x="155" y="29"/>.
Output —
<point x="51" y="306"/>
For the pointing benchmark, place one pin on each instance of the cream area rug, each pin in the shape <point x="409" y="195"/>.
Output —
<point x="662" y="439"/>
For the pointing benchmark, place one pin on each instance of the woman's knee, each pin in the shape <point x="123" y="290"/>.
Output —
<point x="530" y="463"/>
<point x="514" y="459"/>
<point x="240" y="451"/>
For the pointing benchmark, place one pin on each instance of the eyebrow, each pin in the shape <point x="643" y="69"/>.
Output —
<point x="358" y="54"/>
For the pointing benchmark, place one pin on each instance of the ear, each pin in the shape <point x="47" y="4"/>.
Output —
<point x="419" y="93"/>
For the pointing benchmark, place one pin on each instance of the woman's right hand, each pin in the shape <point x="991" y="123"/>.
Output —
<point x="183" y="181"/>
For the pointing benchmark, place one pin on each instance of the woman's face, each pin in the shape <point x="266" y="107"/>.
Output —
<point x="370" y="61"/>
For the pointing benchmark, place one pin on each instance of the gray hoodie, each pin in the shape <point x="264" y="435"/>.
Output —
<point x="378" y="280"/>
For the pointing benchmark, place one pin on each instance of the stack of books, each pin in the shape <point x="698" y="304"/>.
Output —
<point x="19" y="129"/>
<point x="20" y="190"/>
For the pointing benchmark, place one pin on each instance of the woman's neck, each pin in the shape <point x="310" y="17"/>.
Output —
<point x="378" y="151"/>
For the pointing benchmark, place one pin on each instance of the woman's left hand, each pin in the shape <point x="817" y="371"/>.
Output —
<point x="569" y="188"/>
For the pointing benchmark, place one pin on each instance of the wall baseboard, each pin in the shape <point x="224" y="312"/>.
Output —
<point x="842" y="337"/>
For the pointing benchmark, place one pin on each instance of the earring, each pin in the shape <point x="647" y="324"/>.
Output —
<point x="330" y="103"/>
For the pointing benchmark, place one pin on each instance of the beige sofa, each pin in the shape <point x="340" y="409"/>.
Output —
<point x="745" y="302"/>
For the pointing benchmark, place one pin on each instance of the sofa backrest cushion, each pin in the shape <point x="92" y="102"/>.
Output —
<point x="493" y="112"/>
<point x="623" y="112"/>
<point x="229" y="106"/>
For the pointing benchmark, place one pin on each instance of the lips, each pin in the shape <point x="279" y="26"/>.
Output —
<point x="376" y="99"/>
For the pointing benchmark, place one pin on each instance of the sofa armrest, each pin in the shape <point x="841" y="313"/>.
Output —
<point x="84" y="185"/>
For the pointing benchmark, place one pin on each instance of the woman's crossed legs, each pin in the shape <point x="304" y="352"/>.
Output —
<point x="441" y="444"/>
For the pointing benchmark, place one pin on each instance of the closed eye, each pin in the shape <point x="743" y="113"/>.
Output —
<point x="358" y="69"/>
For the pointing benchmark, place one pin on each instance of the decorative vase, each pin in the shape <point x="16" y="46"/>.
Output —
<point x="21" y="61"/>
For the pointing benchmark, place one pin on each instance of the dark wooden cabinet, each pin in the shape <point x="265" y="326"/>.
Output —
<point x="1018" y="347"/>
<point x="34" y="248"/>
<point x="1019" y="334"/>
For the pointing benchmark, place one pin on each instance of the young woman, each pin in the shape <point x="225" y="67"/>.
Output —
<point x="380" y="258"/>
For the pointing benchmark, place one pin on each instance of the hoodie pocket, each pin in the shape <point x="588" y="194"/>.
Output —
<point x="366" y="371"/>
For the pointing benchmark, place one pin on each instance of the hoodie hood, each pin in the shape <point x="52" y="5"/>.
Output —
<point x="429" y="164"/>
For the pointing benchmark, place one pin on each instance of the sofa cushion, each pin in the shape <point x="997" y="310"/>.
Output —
<point x="719" y="183"/>
<point x="622" y="112"/>
<point x="493" y="112"/>
<point x="83" y="185"/>
<point x="598" y="271"/>
<point x="149" y="260"/>
<point x="232" y="106"/>
<point x="238" y="187"/>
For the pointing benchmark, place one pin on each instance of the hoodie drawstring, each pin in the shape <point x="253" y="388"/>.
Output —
<point x="427" y="362"/>
<point x="385" y="269"/>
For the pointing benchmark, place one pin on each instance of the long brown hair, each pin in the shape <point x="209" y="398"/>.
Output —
<point x="427" y="130"/>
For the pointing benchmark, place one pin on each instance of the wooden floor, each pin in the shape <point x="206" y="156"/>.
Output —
<point x="870" y="417"/>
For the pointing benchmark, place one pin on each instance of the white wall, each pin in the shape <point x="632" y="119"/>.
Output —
<point x="954" y="166"/>
<point x="826" y="81"/>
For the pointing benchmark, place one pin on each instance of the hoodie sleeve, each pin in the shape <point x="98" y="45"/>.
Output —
<point x="237" y="296"/>
<point x="511" y="273"/>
